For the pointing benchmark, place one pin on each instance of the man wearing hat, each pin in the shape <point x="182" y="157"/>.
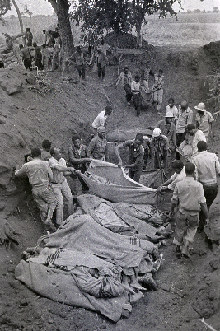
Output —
<point x="204" y="118"/>
<point x="98" y="145"/>
<point x="159" y="147"/>
<point x="185" y="117"/>
<point x="168" y="129"/>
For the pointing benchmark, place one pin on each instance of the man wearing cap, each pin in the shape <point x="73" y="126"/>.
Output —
<point x="168" y="129"/>
<point x="136" y="156"/>
<point x="207" y="169"/>
<point x="101" y="118"/>
<point x="126" y="78"/>
<point x="98" y="145"/>
<point x="184" y="117"/>
<point x="205" y="119"/>
<point x="159" y="147"/>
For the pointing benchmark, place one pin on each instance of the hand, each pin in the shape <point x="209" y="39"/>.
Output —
<point x="72" y="169"/>
<point x="159" y="189"/>
<point x="207" y="221"/>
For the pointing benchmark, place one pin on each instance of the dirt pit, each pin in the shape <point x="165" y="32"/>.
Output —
<point x="188" y="290"/>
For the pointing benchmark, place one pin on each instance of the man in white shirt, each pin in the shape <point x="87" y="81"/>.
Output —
<point x="101" y="118"/>
<point x="171" y="109"/>
<point x="60" y="184"/>
<point x="196" y="136"/>
<point x="179" y="175"/>
<point x="126" y="78"/>
<point x="205" y="119"/>
<point x="207" y="169"/>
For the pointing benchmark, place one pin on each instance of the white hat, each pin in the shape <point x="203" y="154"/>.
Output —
<point x="156" y="133"/>
<point x="201" y="106"/>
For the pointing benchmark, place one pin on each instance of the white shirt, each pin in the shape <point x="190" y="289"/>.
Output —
<point x="99" y="120"/>
<point x="204" y="122"/>
<point x="199" y="136"/>
<point x="58" y="176"/>
<point x="207" y="166"/>
<point x="135" y="87"/>
<point x="177" y="178"/>
<point x="172" y="111"/>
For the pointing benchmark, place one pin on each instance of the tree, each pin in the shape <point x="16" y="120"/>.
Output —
<point x="120" y="15"/>
<point x="5" y="6"/>
<point x="61" y="8"/>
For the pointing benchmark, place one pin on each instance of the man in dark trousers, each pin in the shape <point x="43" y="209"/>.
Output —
<point x="136" y="156"/>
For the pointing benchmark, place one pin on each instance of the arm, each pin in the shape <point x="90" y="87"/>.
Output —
<point x="204" y="209"/>
<point x="21" y="172"/>
<point x="137" y="161"/>
<point x="50" y="174"/>
<point x="91" y="147"/>
<point x="217" y="165"/>
<point x="118" y="80"/>
<point x="174" y="201"/>
<point x="74" y="160"/>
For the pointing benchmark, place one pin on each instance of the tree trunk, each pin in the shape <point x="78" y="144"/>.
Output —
<point x="61" y="8"/>
<point x="139" y="37"/>
<point x="19" y="15"/>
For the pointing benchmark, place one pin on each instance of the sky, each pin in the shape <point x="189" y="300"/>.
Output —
<point x="42" y="7"/>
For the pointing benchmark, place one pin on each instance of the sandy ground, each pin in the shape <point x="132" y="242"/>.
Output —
<point x="188" y="290"/>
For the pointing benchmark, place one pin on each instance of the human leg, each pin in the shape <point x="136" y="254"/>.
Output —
<point x="46" y="201"/>
<point x="99" y="70"/>
<point x="66" y="191"/>
<point x="59" y="197"/>
<point x="192" y="225"/>
<point x="180" y="230"/>
<point x="210" y="193"/>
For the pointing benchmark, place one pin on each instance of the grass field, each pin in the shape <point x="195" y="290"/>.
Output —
<point x="193" y="29"/>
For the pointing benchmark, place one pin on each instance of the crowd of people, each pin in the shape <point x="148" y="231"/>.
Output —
<point x="179" y="140"/>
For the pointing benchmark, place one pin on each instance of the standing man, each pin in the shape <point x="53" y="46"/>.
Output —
<point x="157" y="89"/>
<point x="205" y="119"/>
<point x="168" y="129"/>
<point x="207" y="168"/>
<point x="159" y="147"/>
<point x="59" y="183"/>
<point x="189" y="196"/>
<point x="172" y="109"/>
<point x="77" y="154"/>
<point x="25" y="56"/>
<point x="38" y="57"/>
<point x="28" y="37"/>
<point x="40" y="175"/>
<point x="80" y="63"/>
<point x="196" y="135"/>
<point x="101" y="64"/>
<point x="126" y="78"/>
<point x="101" y="118"/>
<point x="184" y="117"/>
<point x="136" y="156"/>
<point x="136" y="92"/>
<point x="98" y="145"/>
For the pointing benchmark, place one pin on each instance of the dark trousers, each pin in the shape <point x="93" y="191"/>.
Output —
<point x="81" y="71"/>
<point x="27" y="63"/>
<point x="101" y="71"/>
<point x="137" y="100"/>
<point x="180" y="137"/>
<point x="135" y="174"/>
<point x="210" y="193"/>
<point x="128" y="93"/>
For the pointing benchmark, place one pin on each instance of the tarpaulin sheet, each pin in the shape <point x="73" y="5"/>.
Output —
<point x="82" y="242"/>
<point x="110" y="182"/>
<point x="115" y="215"/>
